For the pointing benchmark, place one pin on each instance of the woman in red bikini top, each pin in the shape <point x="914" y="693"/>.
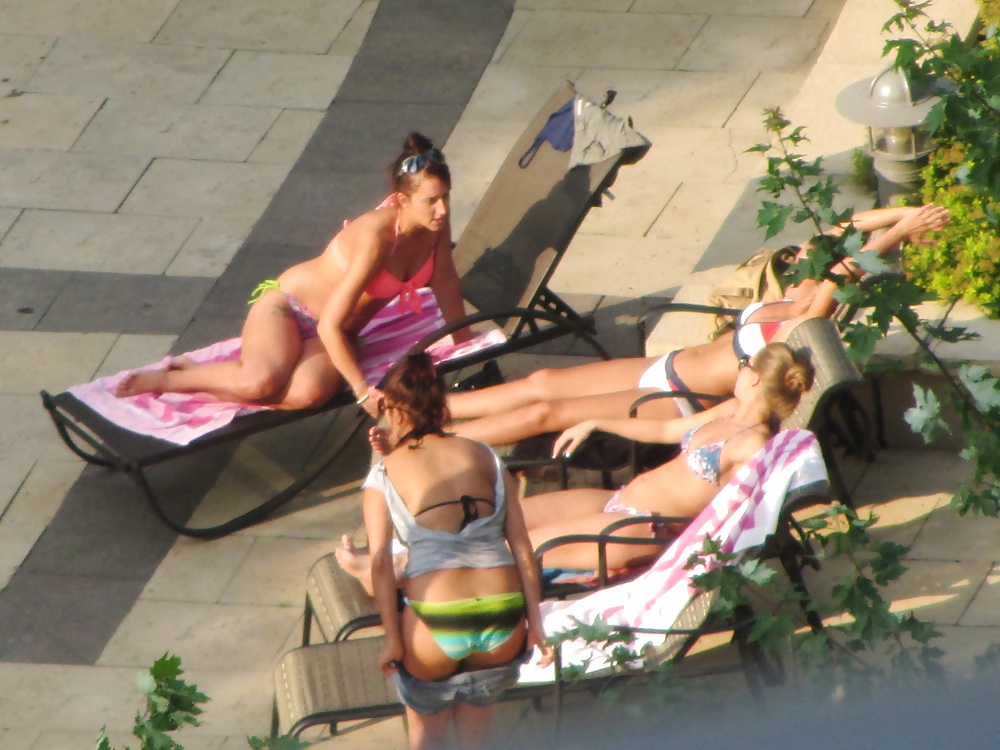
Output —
<point x="299" y="338"/>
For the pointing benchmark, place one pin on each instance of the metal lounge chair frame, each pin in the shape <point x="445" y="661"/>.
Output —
<point x="326" y="683"/>
<point x="523" y="224"/>
<point x="339" y="607"/>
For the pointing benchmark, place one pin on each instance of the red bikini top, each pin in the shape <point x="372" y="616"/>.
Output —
<point x="387" y="286"/>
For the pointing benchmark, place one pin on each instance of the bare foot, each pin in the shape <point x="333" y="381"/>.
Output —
<point x="354" y="563"/>
<point x="378" y="439"/>
<point x="147" y="381"/>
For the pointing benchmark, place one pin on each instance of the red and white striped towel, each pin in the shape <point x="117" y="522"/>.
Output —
<point x="182" y="417"/>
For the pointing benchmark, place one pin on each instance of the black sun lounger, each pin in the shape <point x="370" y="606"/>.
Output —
<point x="505" y="258"/>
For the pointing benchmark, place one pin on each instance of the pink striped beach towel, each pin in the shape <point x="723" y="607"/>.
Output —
<point x="182" y="417"/>
<point x="740" y="517"/>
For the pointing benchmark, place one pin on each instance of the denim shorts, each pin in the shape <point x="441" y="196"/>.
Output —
<point x="482" y="687"/>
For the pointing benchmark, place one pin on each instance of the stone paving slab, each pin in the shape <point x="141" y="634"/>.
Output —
<point x="129" y="351"/>
<point x="773" y="44"/>
<point x="602" y="40"/>
<point x="85" y="241"/>
<point x="212" y="188"/>
<point x="44" y="121"/>
<point x="211" y="246"/>
<point x="137" y="20"/>
<point x="27" y="295"/>
<point x="210" y="636"/>
<point x="111" y="67"/>
<point x="772" y="8"/>
<point x="152" y="127"/>
<point x="302" y="26"/>
<point x="67" y="182"/>
<point x="609" y="264"/>
<point x="286" y="138"/>
<point x="53" y="361"/>
<point x="28" y="507"/>
<point x="25" y="431"/>
<point x="20" y="58"/>
<point x="125" y="304"/>
<point x="455" y="39"/>
<point x="266" y="79"/>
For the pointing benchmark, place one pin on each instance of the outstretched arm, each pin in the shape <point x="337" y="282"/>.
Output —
<point x="666" y="431"/>
<point x="904" y="222"/>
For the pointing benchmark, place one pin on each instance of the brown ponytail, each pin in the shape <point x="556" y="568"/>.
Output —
<point x="431" y="163"/>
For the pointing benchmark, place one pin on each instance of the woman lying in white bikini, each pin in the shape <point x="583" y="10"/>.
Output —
<point x="554" y="399"/>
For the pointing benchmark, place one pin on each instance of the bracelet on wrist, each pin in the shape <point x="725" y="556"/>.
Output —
<point x="361" y="401"/>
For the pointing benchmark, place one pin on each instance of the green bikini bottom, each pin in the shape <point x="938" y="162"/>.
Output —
<point x="464" y="626"/>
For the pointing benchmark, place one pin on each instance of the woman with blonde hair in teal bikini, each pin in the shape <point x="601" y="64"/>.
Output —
<point x="715" y="444"/>
<point x="299" y="338"/>
<point x="470" y="583"/>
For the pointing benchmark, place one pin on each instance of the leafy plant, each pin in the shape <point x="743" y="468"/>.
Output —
<point x="172" y="704"/>
<point x="966" y="178"/>
<point x="964" y="174"/>
<point x="864" y="170"/>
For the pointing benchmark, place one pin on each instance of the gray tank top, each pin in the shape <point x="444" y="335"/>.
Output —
<point x="481" y="544"/>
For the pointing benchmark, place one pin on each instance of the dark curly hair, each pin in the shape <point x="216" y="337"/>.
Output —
<point x="416" y="386"/>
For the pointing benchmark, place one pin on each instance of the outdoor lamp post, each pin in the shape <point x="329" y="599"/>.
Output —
<point x="894" y="115"/>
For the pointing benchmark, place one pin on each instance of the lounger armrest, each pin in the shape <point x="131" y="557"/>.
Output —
<point x="530" y="318"/>
<point x="633" y="411"/>
<point x="605" y="538"/>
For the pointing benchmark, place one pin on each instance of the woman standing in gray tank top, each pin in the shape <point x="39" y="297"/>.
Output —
<point x="470" y="584"/>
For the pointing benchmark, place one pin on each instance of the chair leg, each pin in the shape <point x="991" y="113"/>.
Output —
<point x="757" y="668"/>
<point x="307" y="617"/>
<point x="837" y="483"/>
<point x="793" y="569"/>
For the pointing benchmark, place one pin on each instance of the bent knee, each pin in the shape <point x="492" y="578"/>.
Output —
<point x="542" y="417"/>
<point x="258" y="386"/>
<point x="307" y="395"/>
<point x="543" y="383"/>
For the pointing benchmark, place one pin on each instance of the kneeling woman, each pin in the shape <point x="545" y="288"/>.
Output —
<point x="715" y="444"/>
<point x="470" y="583"/>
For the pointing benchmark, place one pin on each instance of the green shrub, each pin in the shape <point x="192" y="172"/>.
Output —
<point x="965" y="261"/>
<point x="989" y="11"/>
<point x="864" y="171"/>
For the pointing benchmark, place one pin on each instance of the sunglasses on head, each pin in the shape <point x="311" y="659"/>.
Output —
<point x="415" y="163"/>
